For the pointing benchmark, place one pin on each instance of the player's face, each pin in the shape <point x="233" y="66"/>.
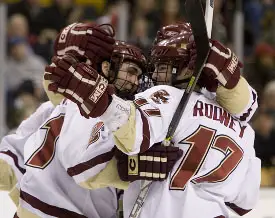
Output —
<point x="162" y="74"/>
<point x="128" y="77"/>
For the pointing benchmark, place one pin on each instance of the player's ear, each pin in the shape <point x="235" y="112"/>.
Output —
<point x="54" y="98"/>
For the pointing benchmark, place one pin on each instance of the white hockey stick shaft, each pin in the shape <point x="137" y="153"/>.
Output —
<point x="209" y="9"/>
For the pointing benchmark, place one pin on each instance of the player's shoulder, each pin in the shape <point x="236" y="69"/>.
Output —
<point x="33" y="122"/>
<point x="161" y="95"/>
<point x="44" y="108"/>
<point x="166" y="99"/>
<point x="169" y="90"/>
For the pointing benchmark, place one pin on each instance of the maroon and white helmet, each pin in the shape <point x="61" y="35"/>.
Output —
<point x="122" y="52"/>
<point x="126" y="53"/>
<point x="170" y="49"/>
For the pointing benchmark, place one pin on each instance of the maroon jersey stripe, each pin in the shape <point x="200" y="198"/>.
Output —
<point x="245" y="115"/>
<point x="47" y="208"/>
<point x="237" y="209"/>
<point x="146" y="133"/>
<point x="81" y="167"/>
<point x="15" y="160"/>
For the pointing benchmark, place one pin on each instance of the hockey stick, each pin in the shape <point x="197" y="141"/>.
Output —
<point x="201" y="28"/>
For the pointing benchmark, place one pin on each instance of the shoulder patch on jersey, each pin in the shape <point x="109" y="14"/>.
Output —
<point x="160" y="97"/>
<point x="96" y="132"/>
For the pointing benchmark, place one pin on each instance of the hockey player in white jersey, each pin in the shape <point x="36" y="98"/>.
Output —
<point x="219" y="167"/>
<point x="69" y="147"/>
<point x="46" y="188"/>
<point x="229" y="163"/>
<point x="50" y="126"/>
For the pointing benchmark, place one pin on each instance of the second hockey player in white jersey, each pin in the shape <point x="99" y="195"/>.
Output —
<point x="219" y="168"/>
<point x="70" y="149"/>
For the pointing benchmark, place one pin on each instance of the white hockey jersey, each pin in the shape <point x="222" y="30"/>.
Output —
<point x="218" y="170"/>
<point x="12" y="146"/>
<point x="47" y="188"/>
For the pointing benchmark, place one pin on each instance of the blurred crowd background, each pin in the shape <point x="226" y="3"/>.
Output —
<point x="32" y="25"/>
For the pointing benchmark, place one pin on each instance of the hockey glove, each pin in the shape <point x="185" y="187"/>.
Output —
<point x="79" y="83"/>
<point x="153" y="164"/>
<point x="89" y="41"/>
<point x="222" y="66"/>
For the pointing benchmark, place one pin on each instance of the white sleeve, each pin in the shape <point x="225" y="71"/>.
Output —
<point x="147" y="122"/>
<point x="12" y="146"/>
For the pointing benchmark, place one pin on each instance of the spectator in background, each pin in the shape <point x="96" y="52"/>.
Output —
<point x="261" y="69"/>
<point x="22" y="64"/>
<point x="171" y="12"/>
<point x="29" y="9"/>
<point x="268" y="22"/>
<point x="253" y="12"/>
<point x="55" y="17"/>
<point x="139" y="35"/>
<point x="110" y="13"/>
<point x="264" y="143"/>
<point x="146" y="18"/>
<point x="18" y="26"/>
<point x="22" y="102"/>
<point x="219" y="31"/>
<point x="60" y="14"/>
<point x="23" y="76"/>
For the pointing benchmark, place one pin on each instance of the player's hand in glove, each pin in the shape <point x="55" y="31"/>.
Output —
<point x="222" y="66"/>
<point x="153" y="164"/>
<point x="86" y="41"/>
<point x="80" y="83"/>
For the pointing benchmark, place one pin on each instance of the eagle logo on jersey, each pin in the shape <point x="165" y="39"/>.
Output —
<point x="96" y="132"/>
<point x="160" y="97"/>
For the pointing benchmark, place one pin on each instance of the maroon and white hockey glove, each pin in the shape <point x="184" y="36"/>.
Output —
<point x="222" y="66"/>
<point x="153" y="164"/>
<point x="95" y="42"/>
<point x="80" y="83"/>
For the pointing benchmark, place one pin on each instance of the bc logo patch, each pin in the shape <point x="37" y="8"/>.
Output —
<point x="96" y="132"/>
<point x="160" y="97"/>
